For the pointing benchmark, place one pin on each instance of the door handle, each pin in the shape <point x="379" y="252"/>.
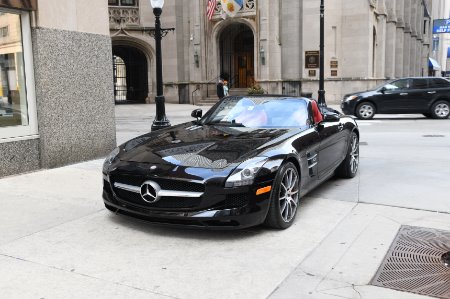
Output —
<point x="431" y="92"/>
<point x="403" y="94"/>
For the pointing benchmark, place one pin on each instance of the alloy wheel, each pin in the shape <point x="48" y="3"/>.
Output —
<point x="366" y="111"/>
<point x="289" y="195"/>
<point x="354" y="154"/>
<point x="442" y="110"/>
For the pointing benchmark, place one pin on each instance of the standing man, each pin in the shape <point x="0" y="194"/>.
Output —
<point x="220" y="92"/>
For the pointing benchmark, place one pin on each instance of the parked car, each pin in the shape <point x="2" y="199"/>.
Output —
<point x="427" y="96"/>
<point x="246" y="162"/>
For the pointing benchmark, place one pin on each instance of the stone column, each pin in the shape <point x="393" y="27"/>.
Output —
<point x="381" y="40"/>
<point x="413" y="49"/>
<point x="399" y="37"/>
<point x="407" y="40"/>
<point x="391" y="32"/>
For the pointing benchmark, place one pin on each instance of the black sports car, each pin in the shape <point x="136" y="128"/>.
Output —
<point x="246" y="162"/>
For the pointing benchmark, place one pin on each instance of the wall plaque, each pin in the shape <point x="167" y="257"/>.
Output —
<point x="312" y="59"/>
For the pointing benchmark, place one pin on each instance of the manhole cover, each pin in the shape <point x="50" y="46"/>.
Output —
<point x="417" y="262"/>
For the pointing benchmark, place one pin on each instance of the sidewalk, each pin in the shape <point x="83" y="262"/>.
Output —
<point x="58" y="241"/>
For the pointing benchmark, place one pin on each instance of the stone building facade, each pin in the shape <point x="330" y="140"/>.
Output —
<point x="56" y="91"/>
<point x="269" y="43"/>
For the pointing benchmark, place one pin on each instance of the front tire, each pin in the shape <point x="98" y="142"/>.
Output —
<point x="284" y="198"/>
<point x="440" y="110"/>
<point x="349" y="167"/>
<point x="365" y="110"/>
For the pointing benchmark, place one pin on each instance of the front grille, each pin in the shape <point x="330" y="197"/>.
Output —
<point x="165" y="184"/>
<point x="233" y="201"/>
<point x="163" y="203"/>
<point x="179" y="185"/>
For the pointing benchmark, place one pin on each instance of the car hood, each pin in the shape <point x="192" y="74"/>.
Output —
<point x="362" y="94"/>
<point x="207" y="146"/>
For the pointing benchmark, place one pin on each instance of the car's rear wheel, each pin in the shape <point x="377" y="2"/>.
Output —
<point x="365" y="110"/>
<point x="284" y="198"/>
<point x="440" y="110"/>
<point x="349" y="167"/>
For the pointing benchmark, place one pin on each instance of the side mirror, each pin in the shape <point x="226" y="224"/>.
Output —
<point x="331" y="117"/>
<point x="383" y="89"/>
<point x="197" y="113"/>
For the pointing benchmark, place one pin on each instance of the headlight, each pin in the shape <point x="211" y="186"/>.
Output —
<point x="350" y="98"/>
<point x="245" y="173"/>
<point x="110" y="158"/>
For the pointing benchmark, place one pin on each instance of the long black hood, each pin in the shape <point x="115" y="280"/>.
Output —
<point x="362" y="94"/>
<point x="213" y="147"/>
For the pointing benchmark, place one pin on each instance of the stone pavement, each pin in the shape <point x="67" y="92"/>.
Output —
<point x="58" y="241"/>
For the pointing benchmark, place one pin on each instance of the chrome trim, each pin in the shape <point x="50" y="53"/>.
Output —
<point x="161" y="193"/>
<point x="312" y="157"/>
<point x="312" y="165"/>
<point x="130" y="188"/>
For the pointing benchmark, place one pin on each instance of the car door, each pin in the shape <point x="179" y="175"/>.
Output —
<point x="333" y="141"/>
<point x="392" y="97"/>
<point x="418" y="96"/>
<point x="307" y="145"/>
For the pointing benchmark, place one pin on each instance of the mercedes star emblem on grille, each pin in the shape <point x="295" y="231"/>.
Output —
<point x="150" y="191"/>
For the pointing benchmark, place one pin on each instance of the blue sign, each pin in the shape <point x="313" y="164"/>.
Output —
<point x="441" y="26"/>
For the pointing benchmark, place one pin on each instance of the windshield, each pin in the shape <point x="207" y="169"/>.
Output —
<point x="261" y="113"/>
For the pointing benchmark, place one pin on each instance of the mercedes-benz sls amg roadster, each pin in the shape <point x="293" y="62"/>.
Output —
<point x="247" y="161"/>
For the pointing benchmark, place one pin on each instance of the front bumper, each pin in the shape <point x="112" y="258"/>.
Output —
<point x="348" y="107"/>
<point x="214" y="217"/>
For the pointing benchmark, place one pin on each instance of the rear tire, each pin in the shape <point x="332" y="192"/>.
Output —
<point x="440" y="110"/>
<point x="349" y="167"/>
<point x="365" y="110"/>
<point x="284" y="198"/>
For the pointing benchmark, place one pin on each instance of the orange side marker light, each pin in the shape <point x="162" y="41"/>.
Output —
<point x="263" y="190"/>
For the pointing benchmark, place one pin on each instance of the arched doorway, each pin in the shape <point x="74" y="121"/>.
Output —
<point x="237" y="53"/>
<point x="130" y="75"/>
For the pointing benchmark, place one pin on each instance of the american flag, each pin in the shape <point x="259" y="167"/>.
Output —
<point x="210" y="8"/>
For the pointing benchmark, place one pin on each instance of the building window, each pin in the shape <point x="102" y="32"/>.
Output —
<point x="4" y="31"/>
<point x="122" y="2"/>
<point x="435" y="43"/>
<point x="17" y="100"/>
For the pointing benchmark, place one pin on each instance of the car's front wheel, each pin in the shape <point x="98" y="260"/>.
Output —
<point x="284" y="198"/>
<point x="365" y="110"/>
<point x="349" y="167"/>
<point x="440" y="110"/>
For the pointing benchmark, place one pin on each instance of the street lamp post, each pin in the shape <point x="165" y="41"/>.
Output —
<point x="321" y="57"/>
<point x="161" y="120"/>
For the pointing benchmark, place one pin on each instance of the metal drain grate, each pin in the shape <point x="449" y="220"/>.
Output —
<point x="415" y="263"/>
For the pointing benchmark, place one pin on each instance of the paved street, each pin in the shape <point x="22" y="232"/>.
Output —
<point x="58" y="241"/>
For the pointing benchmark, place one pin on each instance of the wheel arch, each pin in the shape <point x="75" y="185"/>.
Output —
<point x="441" y="98"/>
<point x="295" y="161"/>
